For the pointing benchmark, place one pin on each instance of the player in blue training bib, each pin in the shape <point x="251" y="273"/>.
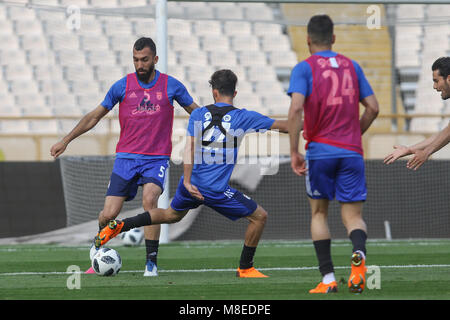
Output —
<point x="213" y="136"/>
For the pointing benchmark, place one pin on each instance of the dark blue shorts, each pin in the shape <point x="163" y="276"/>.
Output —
<point x="129" y="174"/>
<point x="340" y="178"/>
<point x="231" y="203"/>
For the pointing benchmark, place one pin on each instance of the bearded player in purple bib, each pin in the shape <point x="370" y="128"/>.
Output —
<point x="146" y="115"/>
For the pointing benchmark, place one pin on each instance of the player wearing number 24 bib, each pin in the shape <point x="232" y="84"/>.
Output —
<point x="328" y="87"/>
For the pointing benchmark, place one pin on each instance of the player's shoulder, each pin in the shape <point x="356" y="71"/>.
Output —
<point x="171" y="80"/>
<point x="303" y="68"/>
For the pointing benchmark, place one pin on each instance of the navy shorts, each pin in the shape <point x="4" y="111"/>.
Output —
<point x="230" y="203"/>
<point x="340" y="178"/>
<point x="129" y="174"/>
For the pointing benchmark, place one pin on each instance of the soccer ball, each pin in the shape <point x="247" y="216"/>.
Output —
<point x="133" y="237"/>
<point x="106" y="262"/>
<point x="93" y="252"/>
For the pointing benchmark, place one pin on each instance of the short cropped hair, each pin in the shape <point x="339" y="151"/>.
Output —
<point x="443" y="65"/>
<point x="143" y="42"/>
<point x="320" y="30"/>
<point x="224" y="81"/>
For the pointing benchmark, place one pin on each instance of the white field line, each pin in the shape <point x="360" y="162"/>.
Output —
<point x="410" y="266"/>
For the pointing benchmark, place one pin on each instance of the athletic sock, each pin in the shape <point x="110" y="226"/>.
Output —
<point x="358" y="238"/>
<point x="247" y="255"/>
<point x="151" y="247"/>
<point x="140" y="220"/>
<point x="328" y="278"/>
<point x="323" y="253"/>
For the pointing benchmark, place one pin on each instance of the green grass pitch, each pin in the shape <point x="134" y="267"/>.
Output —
<point x="414" y="269"/>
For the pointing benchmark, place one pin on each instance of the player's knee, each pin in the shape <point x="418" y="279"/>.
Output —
<point x="174" y="216"/>
<point x="107" y="215"/>
<point x="150" y="202"/>
<point x="260" y="216"/>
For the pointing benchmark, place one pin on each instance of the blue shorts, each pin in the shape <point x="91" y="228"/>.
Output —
<point x="231" y="203"/>
<point x="343" y="178"/>
<point x="128" y="174"/>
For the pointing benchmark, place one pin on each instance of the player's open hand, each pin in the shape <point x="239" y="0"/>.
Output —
<point x="420" y="156"/>
<point x="194" y="191"/>
<point x="57" y="149"/>
<point x="298" y="164"/>
<point x="399" y="151"/>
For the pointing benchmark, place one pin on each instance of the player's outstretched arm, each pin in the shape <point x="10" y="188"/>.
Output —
<point x="422" y="155"/>
<point x="188" y="165"/>
<point x="280" y="125"/>
<point x="86" y="123"/>
<point x="399" y="152"/>
<point x="370" y="113"/>
<point x="191" y="107"/>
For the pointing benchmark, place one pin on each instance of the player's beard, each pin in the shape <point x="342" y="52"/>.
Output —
<point x="446" y="91"/>
<point x="145" y="76"/>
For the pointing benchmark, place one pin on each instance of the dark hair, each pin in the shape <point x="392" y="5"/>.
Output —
<point x="143" y="42"/>
<point x="443" y="65"/>
<point x="320" y="30"/>
<point x="224" y="81"/>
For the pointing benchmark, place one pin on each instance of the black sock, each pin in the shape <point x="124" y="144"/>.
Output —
<point x="151" y="247"/>
<point x="247" y="257"/>
<point x="323" y="253"/>
<point x="140" y="220"/>
<point x="358" y="238"/>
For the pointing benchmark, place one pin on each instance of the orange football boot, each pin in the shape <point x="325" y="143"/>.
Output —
<point x="357" y="279"/>
<point x="325" y="288"/>
<point x="249" y="273"/>
<point x="107" y="233"/>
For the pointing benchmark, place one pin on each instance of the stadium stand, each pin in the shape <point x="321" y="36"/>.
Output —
<point x="68" y="71"/>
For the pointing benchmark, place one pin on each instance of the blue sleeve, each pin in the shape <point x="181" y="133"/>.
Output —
<point x="195" y="119"/>
<point x="301" y="79"/>
<point x="365" y="89"/>
<point x="252" y="120"/>
<point x="115" y="94"/>
<point x="178" y="92"/>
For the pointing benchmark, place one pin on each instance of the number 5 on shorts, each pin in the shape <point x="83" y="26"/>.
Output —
<point x="162" y="170"/>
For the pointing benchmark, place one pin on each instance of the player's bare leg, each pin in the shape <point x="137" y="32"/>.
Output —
<point x="150" y="196"/>
<point x="111" y="209"/>
<point x="155" y="216"/>
<point x="257" y="221"/>
<point x="357" y="231"/>
<point x="321" y="237"/>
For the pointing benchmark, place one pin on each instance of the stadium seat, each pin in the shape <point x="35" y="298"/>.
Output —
<point x="118" y="27"/>
<point x="9" y="110"/>
<point x="252" y="58"/>
<point x="233" y="27"/>
<point x="179" y="27"/>
<point x="261" y="29"/>
<point x="28" y="27"/>
<point x="198" y="10"/>
<point x="9" y="42"/>
<point x="227" y="11"/>
<point x="215" y="43"/>
<point x="184" y="42"/>
<point x="14" y="126"/>
<point x="207" y="27"/>
<point x="36" y="111"/>
<point x="244" y="43"/>
<point x="33" y="42"/>
<point x="220" y="57"/>
<point x="100" y="57"/>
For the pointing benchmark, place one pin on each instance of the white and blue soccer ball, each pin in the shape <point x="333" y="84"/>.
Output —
<point x="132" y="237"/>
<point x="92" y="252"/>
<point x="106" y="262"/>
